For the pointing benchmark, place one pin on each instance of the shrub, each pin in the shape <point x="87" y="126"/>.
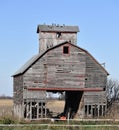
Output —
<point x="8" y="120"/>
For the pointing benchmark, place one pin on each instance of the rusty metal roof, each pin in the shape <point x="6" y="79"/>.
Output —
<point x="57" y="28"/>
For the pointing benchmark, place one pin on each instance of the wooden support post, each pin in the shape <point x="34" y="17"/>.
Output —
<point x="41" y="109"/>
<point x="87" y="110"/>
<point x="37" y="110"/>
<point x="30" y="110"/>
<point x="27" y="110"/>
<point x="102" y="110"/>
<point x="84" y="110"/>
<point x="24" y="109"/>
<point x="91" y="110"/>
<point x="98" y="108"/>
<point x="45" y="111"/>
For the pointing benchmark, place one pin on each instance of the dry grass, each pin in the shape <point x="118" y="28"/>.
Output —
<point x="6" y="107"/>
<point x="6" y="102"/>
<point x="56" y="106"/>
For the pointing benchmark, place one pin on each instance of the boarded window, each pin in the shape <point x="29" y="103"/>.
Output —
<point x="66" y="50"/>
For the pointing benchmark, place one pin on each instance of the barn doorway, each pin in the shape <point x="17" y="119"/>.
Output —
<point x="72" y="102"/>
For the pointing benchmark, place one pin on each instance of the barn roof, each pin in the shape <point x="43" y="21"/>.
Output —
<point x="30" y="62"/>
<point x="26" y="65"/>
<point x="57" y="28"/>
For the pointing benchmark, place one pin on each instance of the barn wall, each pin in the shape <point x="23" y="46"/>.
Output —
<point x="19" y="110"/>
<point x="95" y="104"/>
<point x="35" y="76"/>
<point x="29" y="94"/>
<point x="95" y="98"/>
<point x="49" y="39"/>
<point x="18" y="89"/>
<point x="58" y="70"/>
<point x="18" y="96"/>
<point x="35" y="100"/>
<point x="92" y="104"/>
<point x="96" y="77"/>
<point x="66" y="70"/>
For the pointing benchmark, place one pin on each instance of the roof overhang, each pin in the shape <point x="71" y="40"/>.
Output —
<point x="57" y="28"/>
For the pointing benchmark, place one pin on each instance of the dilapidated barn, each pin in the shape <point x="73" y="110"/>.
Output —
<point x="60" y="66"/>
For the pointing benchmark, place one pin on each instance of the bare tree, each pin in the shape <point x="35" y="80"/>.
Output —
<point x="112" y="90"/>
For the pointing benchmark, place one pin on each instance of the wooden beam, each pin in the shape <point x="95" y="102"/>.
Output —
<point x="64" y="89"/>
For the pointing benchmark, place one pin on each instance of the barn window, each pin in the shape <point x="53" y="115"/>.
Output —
<point x="65" y="49"/>
<point x="58" y="34"/>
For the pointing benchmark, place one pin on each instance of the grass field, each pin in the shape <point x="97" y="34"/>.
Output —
<point x="6" y="107"/>
<point x="56" y="106"/>
<point x="59" y="127"/>
<point x="6" y="102"/>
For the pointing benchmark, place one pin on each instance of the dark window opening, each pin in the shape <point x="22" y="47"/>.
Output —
<point x="85" y="109"/>
<point x="104" y="89"/>
<point x="58" y="34"/>
<point x="89" y="109"/>
<point x="66" y="50"/>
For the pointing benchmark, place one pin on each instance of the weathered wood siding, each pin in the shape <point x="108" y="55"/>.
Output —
<point x="56" y="70"/>
<point x="35" y="77"/>
<point x="96" y="77"/>
<point x="49" y="39"/>
<point x="91" y="98"/>
<point x="18" y="89"/>
<point x="29" y="94"/>
<point x="66" y="70"/>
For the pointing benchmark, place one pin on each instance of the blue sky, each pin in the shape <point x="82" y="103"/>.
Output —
<point x="98" y="21"/>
